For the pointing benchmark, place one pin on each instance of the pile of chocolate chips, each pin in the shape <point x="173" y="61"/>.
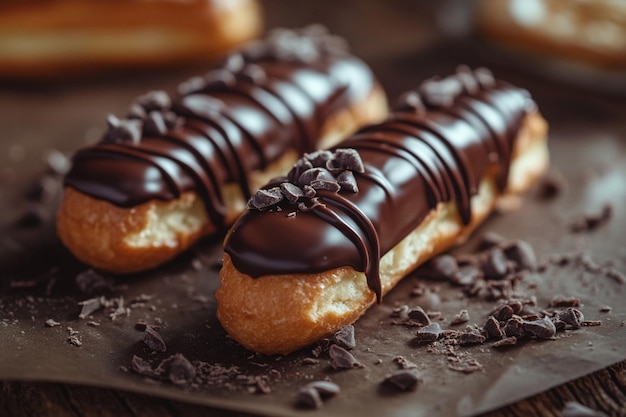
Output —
<point x="321" y="170"/>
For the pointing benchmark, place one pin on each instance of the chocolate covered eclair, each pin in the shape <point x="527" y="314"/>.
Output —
<point x="317" y="247"/>
<point x="179" y="167"/>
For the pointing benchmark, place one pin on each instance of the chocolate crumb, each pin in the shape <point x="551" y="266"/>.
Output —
<point x="33" y="216"/>
<point x="403" y="380"/>
<point x="177" y="369"/>
<point x="575" y="409"/>
<point x="73" y="339"/>
<point x="507" y="341"/>
<point x="471" y="337"/>
<point x="495" y="265"/>
<point x="565" y="302"/>
<point x="326" y="389"/>
<point x="514" y="327"/>
<point x="522" y="254"/>
<point x="606" y="309"/>
<point x="591" y="323"/>
<point x="503" y="312"/>
<point x="489" y="240"/>
<point x="468" y="275"/>
<point x="309" y="397"/>
<point x="572" y="317"/>
<point x="615" y="275"/>
<point x="92" y="282"/>
<point x="153" y="339"/>
<point x="344" y="337"/>
<point x="342" y="359"/>
<point x="404" y="363"/>
<point x="310" y="361"/>
<point x="142" y="367"/>
<point x="461" y="317"/>
<point x="52" y="323"/>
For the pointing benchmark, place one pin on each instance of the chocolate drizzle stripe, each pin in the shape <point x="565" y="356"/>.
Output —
<point x="422" y="155"/>
<point x="369" y="247"/>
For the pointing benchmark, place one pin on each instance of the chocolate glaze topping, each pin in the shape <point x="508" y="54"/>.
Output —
<point x="437" y="145"/>
<point x="270" y="97"/>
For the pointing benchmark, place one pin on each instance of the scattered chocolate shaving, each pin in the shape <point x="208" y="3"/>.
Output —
<point x="344" y="337"/>
<point x="489" y="240"/>
<point x="342" y="359"/>
<point x="89" y="307"/>
<point x="514" y="327"/>
<point x="606" y="309"/>
<point x="142" y="367"/>
<point x="404" y="363"/>
<point x="461" y="317"/>
<point x="615" y="275"/>
<point x="591" y="323"/>
<point x="153" y="339"/>
<point x="326" y="389"/>
<point x="403" y="380"/>
<point x="92" y="282"/>
<point x="468" y="275"/>
<point x="495" y="264"/>
<point x="522" y="254"/>
<point x="471" y="337"/>
<point x="575" y="409"/>
<point x="591" y="221"/>
<point x="572" y="317"/>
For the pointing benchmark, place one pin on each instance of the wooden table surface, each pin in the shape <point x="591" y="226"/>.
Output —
<point x="603" y="390"/>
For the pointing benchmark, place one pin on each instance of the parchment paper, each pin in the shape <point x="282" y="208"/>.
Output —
<point x="37" y="280"/>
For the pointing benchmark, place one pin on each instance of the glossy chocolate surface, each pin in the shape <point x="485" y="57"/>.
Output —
<point x="437" y="145"/>
<point x="272" y="96"/>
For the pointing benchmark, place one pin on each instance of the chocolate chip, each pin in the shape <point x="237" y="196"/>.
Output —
<point x="461" y="317"/>
<point x="495" y="264"/>
<point x="542" y="328"/>
<point x="492" y="327"/>
<point x="503" y="313"/>
<point x="315" y="174"/>
<point x="342" y="359"/>
<point x="326" y="389"/>
<point x="418" y="315"/>
<point x="410" y="101"/>
<point x="440" y="92"/>
<point x="575" y="409"/>
<point x="347" y="181"/>
<point x="309" y="397"/>
<point x="514" y="327"/>
<point x="572" y="317"/>
<point x="507" y="341"/>
<point x="321" y="184"/>
<point x="489" y="240"/>
<point x="468" y="275"/>
<point x="429" y="334"/>
<point x="319" y="159"/>
<point x="522" y="254"/>
<point x="291" y="192"/>
<point x="347" y="158"/>
<point x="154" y="100"/>
<point x="264" y="199"/>
<point x="403" y="380"/>
<point x="123" y="130"/>
<point x="177" y="369"/>
<point x="550" y="186"/>
<point x="442" y="267"/>
<point x="154" y="124"/>
<point x="344" y="337"/>
<point x="565" y="302"/>
<point x="253" y="74"/>
<point x="153" y="339"/>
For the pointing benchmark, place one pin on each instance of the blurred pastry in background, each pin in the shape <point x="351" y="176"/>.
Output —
<point x="56" y="38"/>
<point x="584" y="31"/>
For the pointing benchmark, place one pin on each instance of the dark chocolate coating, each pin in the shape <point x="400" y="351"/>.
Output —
<point x="273" y="96"/>
<point x="423" y="154"/>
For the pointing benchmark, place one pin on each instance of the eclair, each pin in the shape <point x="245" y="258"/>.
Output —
<point x="181" y="167"/>
<point x="61" y="38"/>
<point x="319" y="246"/>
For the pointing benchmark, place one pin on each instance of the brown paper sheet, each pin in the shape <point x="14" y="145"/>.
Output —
<point x="37" y="282"/>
